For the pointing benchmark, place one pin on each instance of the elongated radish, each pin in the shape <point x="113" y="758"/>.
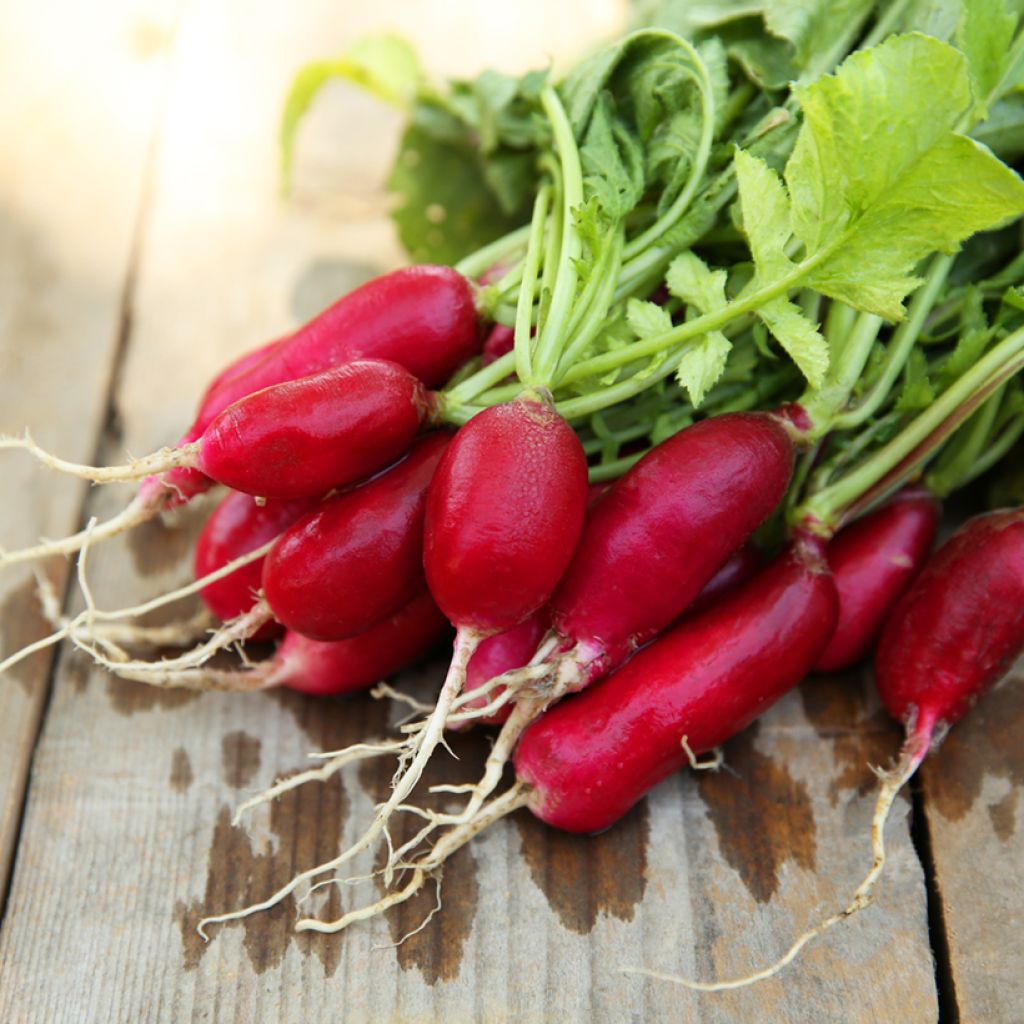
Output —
<point x="661" y="533"/>
<point x="873" y="561"/>
<point x="237" y="526"/>
<point x="504" y="511"/>
<point x="356" y="558"/>
<point x="422" y="318"/>
<point x="949" y="639"/>
<point x="297" y="439"/>
<point x="588" y="760"/>
<point x="329" y="669"/>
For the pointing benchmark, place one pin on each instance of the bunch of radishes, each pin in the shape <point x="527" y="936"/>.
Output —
<point x="583" y="524"/>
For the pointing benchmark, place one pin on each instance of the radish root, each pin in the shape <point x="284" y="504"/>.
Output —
<point x="429" y="866"/>
<point x="892" y="781"/>
<point x="149" y="465"/>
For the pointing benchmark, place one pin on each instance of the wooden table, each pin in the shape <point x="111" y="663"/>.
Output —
<point x="142" y="244"/>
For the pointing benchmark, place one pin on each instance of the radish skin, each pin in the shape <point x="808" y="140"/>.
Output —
<point x="873" y="561"/>
<point x="237" y="526"/>
<point x="356" y="558"/>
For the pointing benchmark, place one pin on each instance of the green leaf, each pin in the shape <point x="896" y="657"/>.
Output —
<point x="383" y="64"/>
<point x="647" y="319"/>
<point x="984" y="33"/>
<point x="702" y="364"/>
<point x="690" y="279"/>
<point x="765" y="215"/>
<point x="799" y="337"/>
<point x="866" y="223"/>
<point x="917" y="392"/>
<point x="445" y="208"/>
<point x="612" y="162"/>
<point x="812" y="25"/>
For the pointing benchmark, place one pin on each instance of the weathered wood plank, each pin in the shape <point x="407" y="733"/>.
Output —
<point x="77" y="119"/>
<point x="128" y="837"/>
<point x="972" y="788"/>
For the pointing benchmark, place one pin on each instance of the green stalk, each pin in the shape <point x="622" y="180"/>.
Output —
<point x="1010" y="435"/>
<point x="849" y="354"/>
<point x="902" y="342"/>
<point x="550" y="332"/>
<point x="476" y="263"/>
<point x="524" y="308"/>
<point x="483" y="379"/>
<point x="954" y="466"/>
<point x="920" y="438"/>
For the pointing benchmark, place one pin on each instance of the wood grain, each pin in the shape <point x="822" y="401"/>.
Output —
<point x="71" y="193"/>
<point x="127" y="838"/>
<point x="972" y="788"/>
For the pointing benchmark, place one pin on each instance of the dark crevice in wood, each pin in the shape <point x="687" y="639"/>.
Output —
<point x="109" y="425"/>
<point x="920" y="834"/>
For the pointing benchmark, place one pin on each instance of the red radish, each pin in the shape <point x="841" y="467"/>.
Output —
<point x="590" y="758"/>
<point x="873" y="561"/>
<point x="345" y="666"/>
<point x="329" y="669"/>
<point x="356" y="558"/>
<point x="297" y="439"/>
<point x="496" y="655"/>
<point x="504" y="513"/>
<point x="498" y="343"/>
<point x="595" y="492"/>
<point x="423" y="318"/>
<point x="237" y="526"/>
<point x="958" y="629"/>
<point x="661" y="533"/>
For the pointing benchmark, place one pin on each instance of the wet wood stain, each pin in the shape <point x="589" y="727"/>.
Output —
<point x="986" y="743"/>
<point x="157" y="547"/>
<point x="21" y="624"/>
<point x="738" y="803"/>
<point x="585" y="876"/>
<point x="181" y="770"/>
<point x="240" y="758"/>
<point x="862" y="735"/>
<point x="129" y="697"/>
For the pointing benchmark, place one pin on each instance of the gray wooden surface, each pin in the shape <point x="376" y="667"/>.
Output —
<point x="160" y="230"/>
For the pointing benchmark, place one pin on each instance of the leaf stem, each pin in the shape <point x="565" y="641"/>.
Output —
<point x="531" y="267"/>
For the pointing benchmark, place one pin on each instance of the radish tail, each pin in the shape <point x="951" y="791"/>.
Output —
<point x="137" y="512"/>
<point x="425" y="868"/>
<point x="911" y="756"/>
<point x="149" y="465"/>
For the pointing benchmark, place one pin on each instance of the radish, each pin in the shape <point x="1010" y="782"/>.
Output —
<point x="422" y="318"/>
<point x="237" y="526"/>
<point x="588" y="760"/>
<point x="504" y="512"/>
<point x="873" y="562"/>
<point x="661" y="533"/>
<point x="741" y="565"/>
<point x="329" y="669"/>
<point x="356" y="558"/>
<point x="297" y="439"/>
